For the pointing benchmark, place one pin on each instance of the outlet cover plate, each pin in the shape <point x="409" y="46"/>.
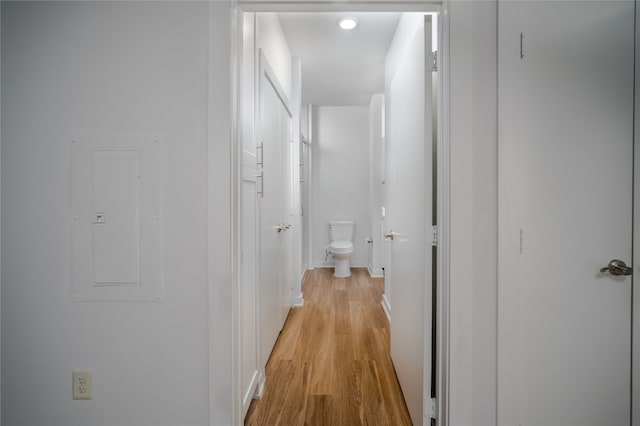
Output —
<point x="82" y="384"/>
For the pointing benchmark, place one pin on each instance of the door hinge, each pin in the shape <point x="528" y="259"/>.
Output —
<point x="430" y="409"/>
<point x="432" y="63"/>
<point x="434" y="235"/>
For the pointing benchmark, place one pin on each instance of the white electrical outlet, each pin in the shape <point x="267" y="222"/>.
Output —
<point x="82" y="384"/>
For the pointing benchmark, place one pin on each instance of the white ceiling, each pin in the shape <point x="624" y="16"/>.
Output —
<point x="339" y="67"/>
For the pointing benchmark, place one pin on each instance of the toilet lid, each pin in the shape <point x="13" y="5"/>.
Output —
<point x="341" y="246"/>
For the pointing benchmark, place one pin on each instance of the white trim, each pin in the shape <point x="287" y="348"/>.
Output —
<point x="222" y="214"/>
<point x="386" y="306"/>
<point x="343" y="6"/>
<point x="309" y="183"/>
<point x="236" y="182"/>
<point x="444" y="214"/>
<point x="251" y="392"/>
<point x="375" y="273"/>
<point x="272" y="78"/>
<point x="259" y="388"/>
<point x="330" y="264"/>
<point x="298" y="301"/>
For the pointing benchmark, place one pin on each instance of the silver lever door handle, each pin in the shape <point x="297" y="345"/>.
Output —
<point x="389" y="236"/>
<point x="617" y="267"/>
<point x="282" y="227"/>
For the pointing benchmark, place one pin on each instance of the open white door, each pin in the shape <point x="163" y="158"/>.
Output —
<point x="286" y="209"/>
<point x="408" y="198"/>
<point x="566" y="157"/>
<point x="275" y="132"/>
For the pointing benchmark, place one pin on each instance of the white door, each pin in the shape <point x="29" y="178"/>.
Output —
<point x="408" y="197"/>
<point x="275" y="131"/>
<point x="248" y="305"/>
<point x="248" y="301"/>
<point x="566" y="157"/>
<point x="286" y="209"/>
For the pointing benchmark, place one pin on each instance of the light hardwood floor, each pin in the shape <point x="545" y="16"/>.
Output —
<point x="331" y="363"/>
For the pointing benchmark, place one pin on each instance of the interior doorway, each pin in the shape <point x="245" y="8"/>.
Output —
<point x="262" y="31"/>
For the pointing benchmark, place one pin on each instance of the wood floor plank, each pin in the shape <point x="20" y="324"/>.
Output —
<point x="373" y="407"/>
<point x="358" y="328"/>
<point x="331" y="364"/>
<point x="319" y="410"/>
<point x="288" y="338"/>
<point x="342" y="312"/>
<point x="280" y="374"/>
<point x="346" y="383"/>
<point x="297" y="396"/>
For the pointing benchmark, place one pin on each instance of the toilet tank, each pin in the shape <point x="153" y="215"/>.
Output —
<point x="341" y="230"/>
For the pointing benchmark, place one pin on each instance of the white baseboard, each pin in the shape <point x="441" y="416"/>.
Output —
<point x="259" y="387"/>
<point x="298" y="301"/>
<point x="330" y="264"/>
<point x="375" y="273"/>
<point x="386" y="306"/>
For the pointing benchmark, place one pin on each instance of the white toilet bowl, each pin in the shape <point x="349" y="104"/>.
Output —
<point x="341" y="247"/>
<point x="341" y="252"/>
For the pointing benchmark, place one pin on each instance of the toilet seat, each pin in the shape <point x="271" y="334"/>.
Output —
<point x="341" y="247"/>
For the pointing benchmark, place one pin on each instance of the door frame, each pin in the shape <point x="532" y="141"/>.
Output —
<point x="443" y="176"/>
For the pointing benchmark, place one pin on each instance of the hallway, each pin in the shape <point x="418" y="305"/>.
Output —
<point x="331" y="363"/>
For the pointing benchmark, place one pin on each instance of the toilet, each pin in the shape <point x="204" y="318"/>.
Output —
<point x="341" y="247"/>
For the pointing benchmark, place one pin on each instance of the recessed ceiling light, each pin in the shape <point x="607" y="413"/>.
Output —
<point x="348" y="23"/>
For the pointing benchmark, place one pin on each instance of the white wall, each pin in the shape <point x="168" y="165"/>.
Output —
<point x="340" y="187"/>
<point x="296" y="219"/>
<point x="305" y="186"/>
<point x="221" y="271"/>
<point x="271" y="39"/>
<point x="407" y="27"/>
<point x="473" y="227"/>
<point x="120" y="67"/>
<point x="376" y="157"/>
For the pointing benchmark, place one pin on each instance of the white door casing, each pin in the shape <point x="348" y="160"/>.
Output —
<point x="565" y="205"/>
<point x="408" y="202"/>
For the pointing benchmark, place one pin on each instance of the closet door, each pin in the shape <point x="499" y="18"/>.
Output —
<point x="274" y="181"/>
<point x="566" y="162"/>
